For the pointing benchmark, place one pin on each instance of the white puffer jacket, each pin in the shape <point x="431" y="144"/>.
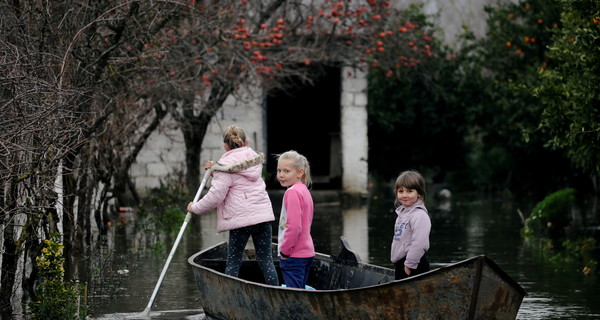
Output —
<point x="241" y="197"/>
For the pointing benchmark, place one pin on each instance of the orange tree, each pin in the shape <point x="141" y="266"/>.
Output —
<point x="415" y="112"/>
<point x="509" y="58"/>
<point x="470" y="107"/>
<point x="569" y="88"/>
<point x="209" y="51"/>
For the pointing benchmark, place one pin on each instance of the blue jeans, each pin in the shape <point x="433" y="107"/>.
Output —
<point x="261" y="236"/>
<point x="295" y="271"/>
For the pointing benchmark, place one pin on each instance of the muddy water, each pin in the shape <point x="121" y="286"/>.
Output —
<point x="462" y="228"/>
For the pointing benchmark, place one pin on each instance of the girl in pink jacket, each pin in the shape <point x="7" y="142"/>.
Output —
<point x="296" y="249"/>
<point x="243" y="205"/>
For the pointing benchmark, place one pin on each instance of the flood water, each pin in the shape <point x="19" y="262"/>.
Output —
<point x="465" y="227"/>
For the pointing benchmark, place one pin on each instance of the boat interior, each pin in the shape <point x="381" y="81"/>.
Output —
<point x="335" y="272"/>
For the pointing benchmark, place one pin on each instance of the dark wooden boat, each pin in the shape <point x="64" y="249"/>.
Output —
<point x="475" y="288"/>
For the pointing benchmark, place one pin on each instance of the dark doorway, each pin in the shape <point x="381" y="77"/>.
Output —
<point x="306" y="117"/>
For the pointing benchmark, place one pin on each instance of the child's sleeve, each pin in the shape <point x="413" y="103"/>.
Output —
<point x="216" y="194"/>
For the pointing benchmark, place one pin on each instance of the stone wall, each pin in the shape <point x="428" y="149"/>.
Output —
<point x="164" y="152"/>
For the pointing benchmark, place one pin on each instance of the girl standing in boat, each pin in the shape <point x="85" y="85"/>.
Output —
<point x="412" y="228"/>
<point x="243" y="205"/>
<point x="296" y="249"/>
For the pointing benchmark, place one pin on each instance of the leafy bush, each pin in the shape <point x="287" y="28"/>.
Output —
<point x="550" y="217"/>
<point x="163" y="208"/>
<point x="583" y="251"/>
<point x="56" y="299"/>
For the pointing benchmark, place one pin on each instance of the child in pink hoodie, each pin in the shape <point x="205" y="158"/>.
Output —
<point x="412" y="228"/>
<point x="243" y="205"/>
<point x="296" y="249"/>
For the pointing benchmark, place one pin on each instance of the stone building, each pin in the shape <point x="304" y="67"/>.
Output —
<point x="326" y="122"/>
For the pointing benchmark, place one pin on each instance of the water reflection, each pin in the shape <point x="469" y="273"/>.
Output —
<point x="467" y="227"/>
<point x="355" y="228"/>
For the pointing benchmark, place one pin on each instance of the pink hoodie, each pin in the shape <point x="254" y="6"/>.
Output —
<point x="411" y="234"/>
<point x="295" y="221"/>
<point x="241" y="198"/>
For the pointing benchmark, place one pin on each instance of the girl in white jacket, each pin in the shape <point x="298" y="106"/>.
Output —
<point x="243" y="205"/>
<point x="412" y="228"/>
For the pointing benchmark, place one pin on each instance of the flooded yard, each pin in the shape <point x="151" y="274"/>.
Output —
<point x="467" y="228"/>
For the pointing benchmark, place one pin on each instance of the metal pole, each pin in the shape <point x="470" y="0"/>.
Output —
<point x="188" y="217"/>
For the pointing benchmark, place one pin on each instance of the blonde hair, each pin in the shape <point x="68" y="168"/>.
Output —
<point x="410" y="179"/>
<point x="299" y="161"/>
<point x="234" y="136"/>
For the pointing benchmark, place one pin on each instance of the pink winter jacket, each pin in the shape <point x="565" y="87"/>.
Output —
<point x="241" y="198"/>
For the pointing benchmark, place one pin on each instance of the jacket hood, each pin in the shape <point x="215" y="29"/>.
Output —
<point x="408" y="210"/>
<point x="241" y="157"/>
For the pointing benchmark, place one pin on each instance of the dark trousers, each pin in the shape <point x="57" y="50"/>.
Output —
<point x="295" y="271"/>
<point x="261" y="236"/>
<point x="421" y="268"/>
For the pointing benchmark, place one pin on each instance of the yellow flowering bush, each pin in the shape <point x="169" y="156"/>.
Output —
<point x="55" y="299"/>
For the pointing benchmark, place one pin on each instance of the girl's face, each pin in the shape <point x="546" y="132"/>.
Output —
<point x="407" y="197"/>
<point x="287" y="173"/>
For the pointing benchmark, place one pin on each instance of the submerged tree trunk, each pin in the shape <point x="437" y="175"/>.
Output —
<point x="193" y="137"/>
<point x="9" y="265"/>
<point x="194" y="130"/>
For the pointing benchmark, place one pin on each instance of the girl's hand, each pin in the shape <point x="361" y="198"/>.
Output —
<point x="189" y="207"/>
<point x="407" y="270"/>
<point x="208" y="165"/>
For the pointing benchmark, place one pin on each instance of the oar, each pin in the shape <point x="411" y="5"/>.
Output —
<point x="215" y="167"/>
<point x="188" y="218"/>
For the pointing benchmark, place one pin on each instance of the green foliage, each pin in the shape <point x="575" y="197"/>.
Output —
<point x="162" y="209"/>
<point x="574" y="256"/>
<point x="489" y="165"/>
<point x="547" y="225"/>
<point x="416" y="113"/>
<point x="583" y="251"/>
<point x="569" y="88"/>
<point x="56" y="299"/>
<point x="505" y="64"/>
<point x="509" y="57"/>
<point x="550" y="217"/>
<point x="463" y="114"/>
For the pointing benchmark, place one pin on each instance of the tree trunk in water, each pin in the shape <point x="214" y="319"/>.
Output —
<point x="194" y="130"/>
<point x="9" y="265"/>
<point x="193" y="137"/>
<point x="9" y="250"/>
<point x="69" y="185"/>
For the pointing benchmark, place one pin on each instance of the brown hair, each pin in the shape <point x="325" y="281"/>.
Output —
<point x="234" y="136"/>
<point x="410" y="179"/>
